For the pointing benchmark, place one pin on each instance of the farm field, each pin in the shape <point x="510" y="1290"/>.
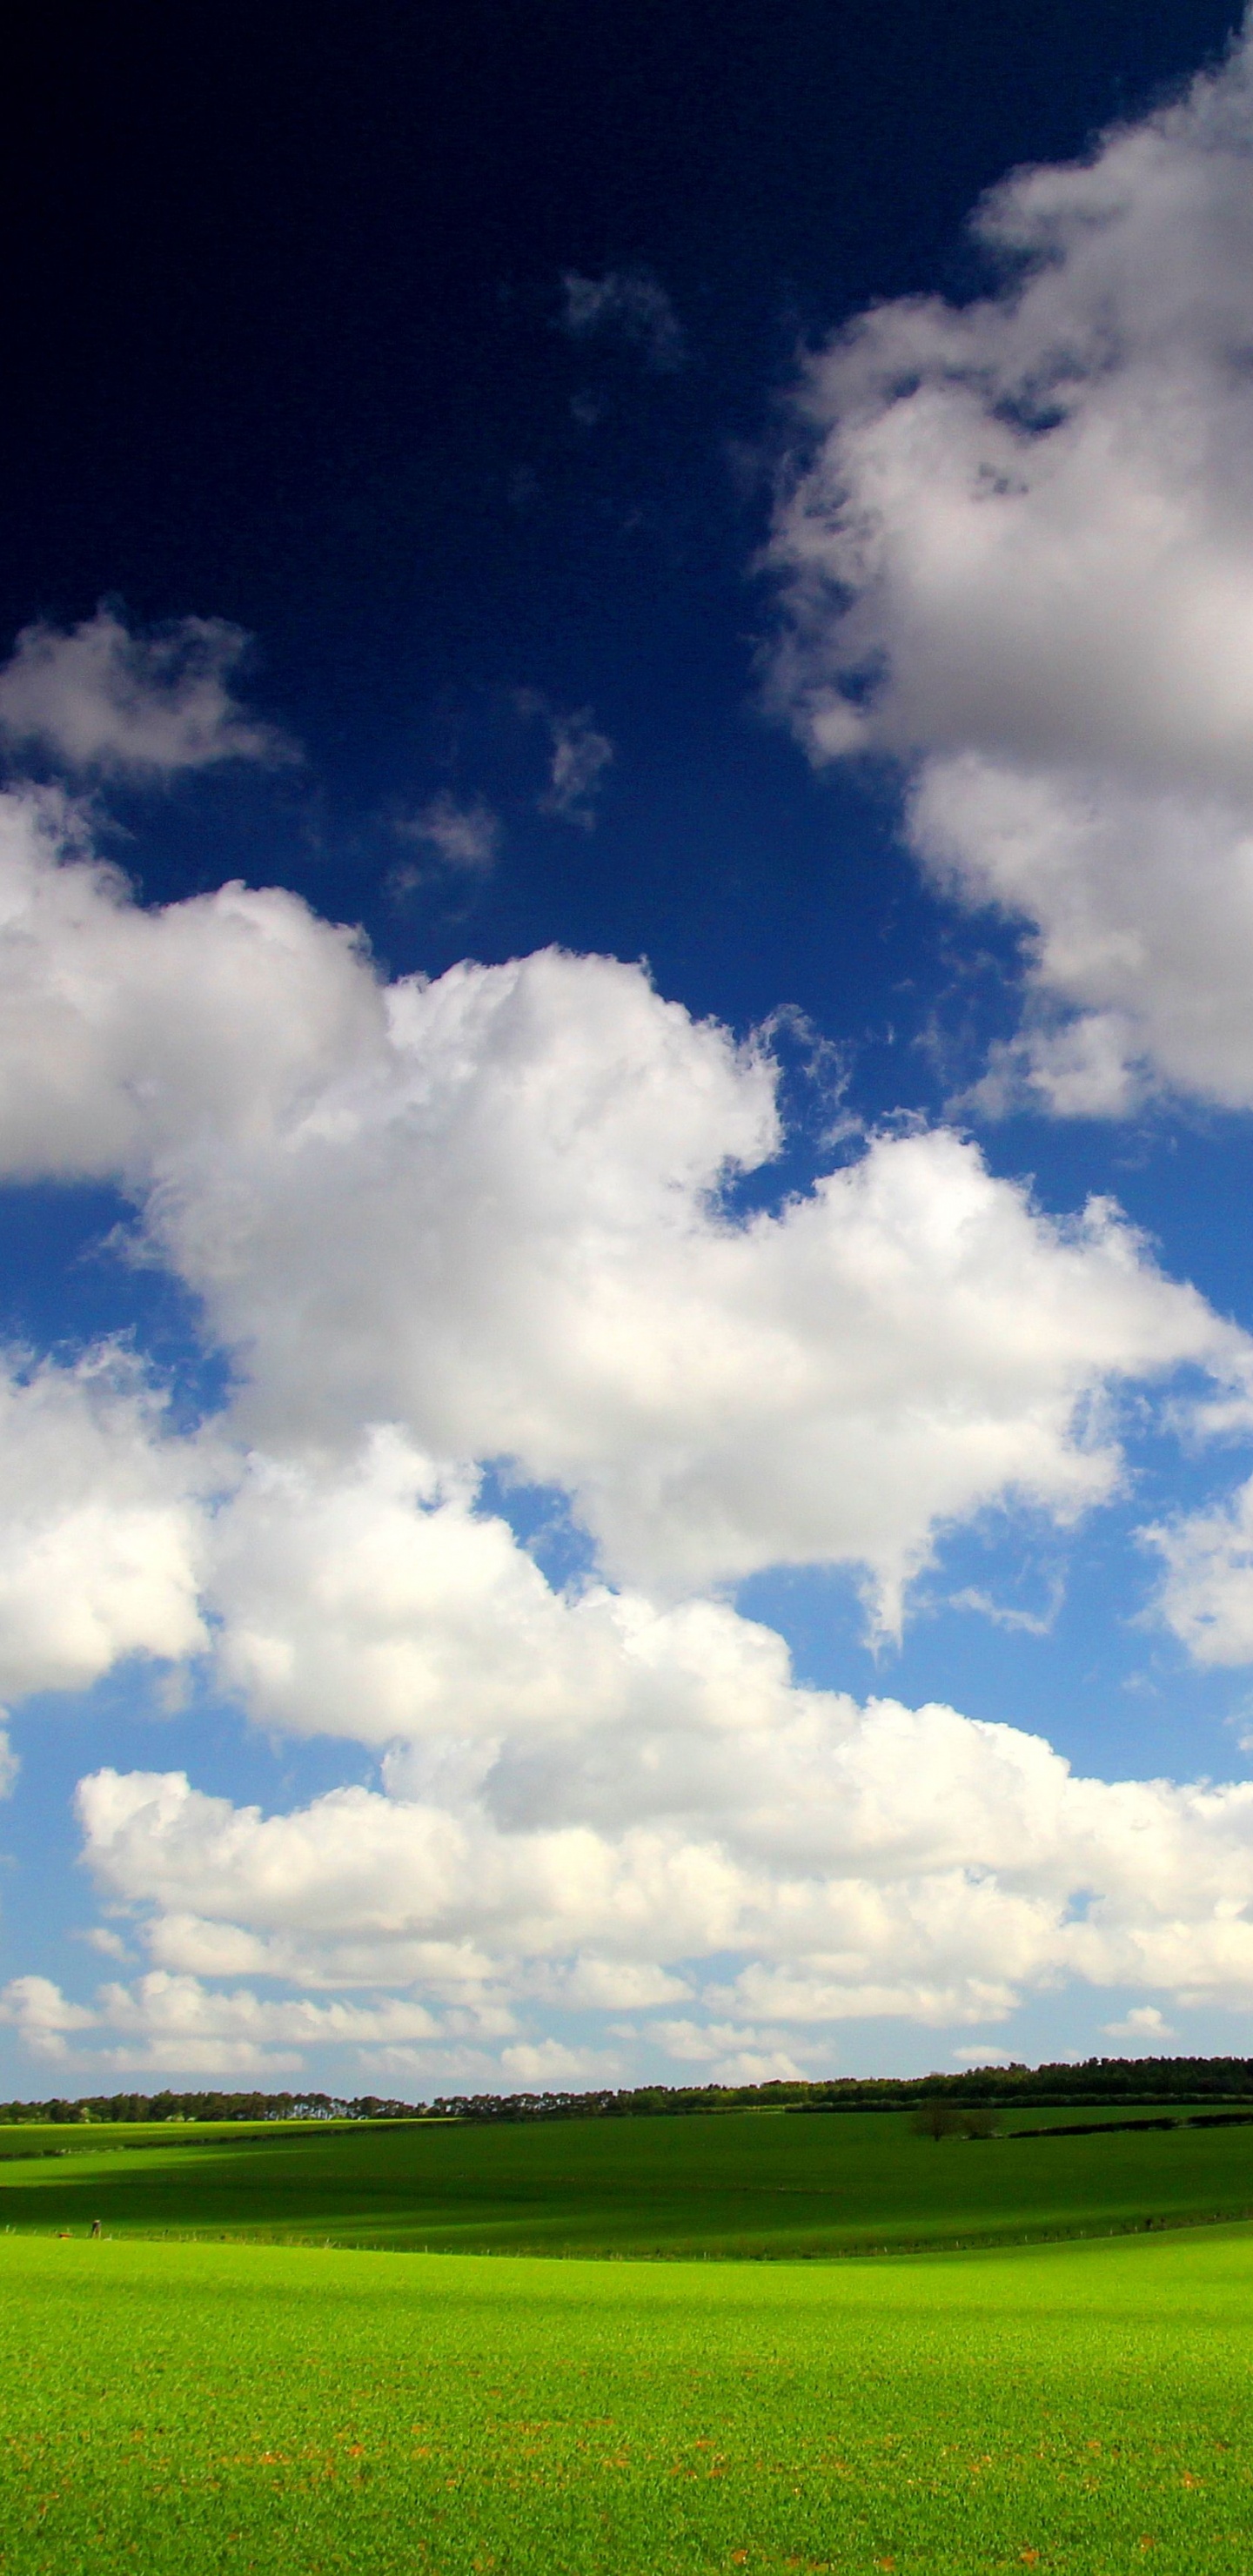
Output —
<point x="183" y="2408"/>
<point x="745" y="2184"/>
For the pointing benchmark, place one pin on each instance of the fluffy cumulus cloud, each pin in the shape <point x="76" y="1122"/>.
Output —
<point x="797" y="1863"/>
<point x="492" y="1219"/>
<point x="98" y="698"/>
<point x="491" y="1211"/>
<point x="43" y="2015"/>
<point x="1145" y="2024"/>
<point x="101" y="1525"/>
<point x="1206" y="1593"/>
<point x="730" y="2053"/>
<point x="165" y="2023"/>
<point x="382" y="1604"/>
<point x="1016" y="550"/>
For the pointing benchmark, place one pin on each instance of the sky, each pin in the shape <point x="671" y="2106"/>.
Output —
<point x="626" y="1044"/>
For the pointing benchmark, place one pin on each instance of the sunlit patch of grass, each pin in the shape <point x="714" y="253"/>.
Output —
<point x="184" y="2408"/>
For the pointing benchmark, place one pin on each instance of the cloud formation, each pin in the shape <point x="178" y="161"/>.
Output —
<point x="1206" y="1595"/>
<point x="464" y="834"/>
<point x="101" y="1525"/>
<point x="491" y="1218"/>
<point x="1016" y="553"/>
<point x="580" y="757"/>
<point x="628" y="304"/>
<point x="164" y="2024"/>
<point x="490" y="1211"/>
<point x="855" y="1862"/>
<point x="99" y="698"/>
<point x="1144" y="2024"/>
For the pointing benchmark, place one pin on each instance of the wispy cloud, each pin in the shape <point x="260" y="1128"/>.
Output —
<point x="464" y="836"/>
<point x="1030" y="1623"/>
<point x="628" y="304"/>
<point x="580" y="756"/>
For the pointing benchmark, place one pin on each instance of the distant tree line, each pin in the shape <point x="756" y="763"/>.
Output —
<point x="1097" y="2079"/>
<point x="212" y="2106"/>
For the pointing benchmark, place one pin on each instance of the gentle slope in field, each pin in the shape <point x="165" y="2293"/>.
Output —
<point x="744" y="2184"/>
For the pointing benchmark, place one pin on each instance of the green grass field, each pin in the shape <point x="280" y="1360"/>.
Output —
<point x="746" y="2184"/>
<point x="184" y="2406"/>
<point x="187" y="2408"/>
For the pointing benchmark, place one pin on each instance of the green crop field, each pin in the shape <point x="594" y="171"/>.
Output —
<point x="290" y="2406"/>
<point x="747" y="2184"/>
<point x="180" y="2409"/>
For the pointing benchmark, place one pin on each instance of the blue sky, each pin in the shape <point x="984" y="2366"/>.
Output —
<point x="625" y="1081"/>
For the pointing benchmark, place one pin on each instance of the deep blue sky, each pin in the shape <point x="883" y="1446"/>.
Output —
<point x="279" y="329"/>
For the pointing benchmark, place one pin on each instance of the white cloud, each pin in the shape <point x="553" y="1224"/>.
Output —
<point x="731" y="2053"/>
<point x="1003" y="1614"/>
<point x="605" y="1985"/>
<point x="457" y="1974"/>
<point x="1206" y="1595"/>
<point x="487" y="1218"/>
<point x="548" y="2064"/>
<point x="628" y="304"/>
<point x="1143" y="2023"/>
<point x="764" y="2065"/>
<point x="177" y="2021"/>
<point x="465" y="835"/>
<point x="141" y="706"/>
<point x="381" y="1604"/>
<point x="488" y="1211"/>
<point x="1144" y="928"/>
<point x="906" y="1345"/>
<point x="1017" y="553"/>
<point x="101" y="1525"/>
<point x="876" y="1862"/>
<point x="174" y="2024"/>
<point x="45" y="2020"/>
<point x="132" y="1038"/>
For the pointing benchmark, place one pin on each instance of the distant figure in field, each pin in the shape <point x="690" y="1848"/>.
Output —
<point x="95" y="2227"/>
